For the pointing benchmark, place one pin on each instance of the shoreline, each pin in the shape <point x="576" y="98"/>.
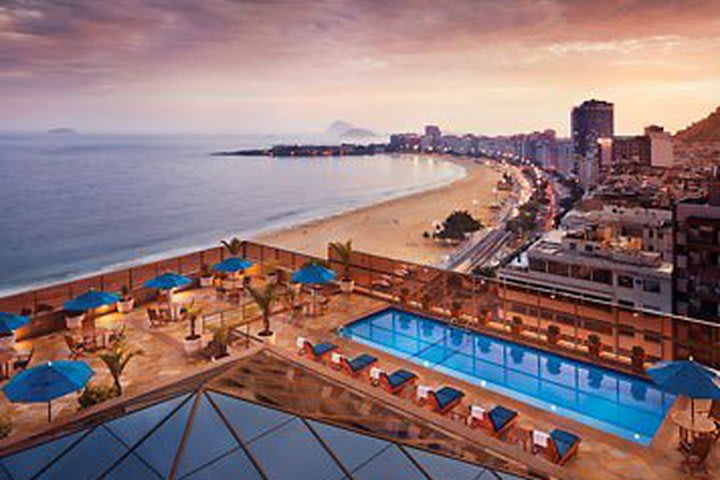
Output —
<point x="254" y="234"/>
<point x="394" y="228"/>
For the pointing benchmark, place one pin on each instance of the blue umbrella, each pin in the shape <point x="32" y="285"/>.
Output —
<point x="9" y="322"/>
<point x="91" y="299"/>
<point x="48" y="381"/>
<point x="167" y="281"/>
<point x="688" y="378"/>
<point x="313" y="274"/>
<point x="233" y="265"/>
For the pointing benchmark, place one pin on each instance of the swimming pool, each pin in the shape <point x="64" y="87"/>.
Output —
<point x="619" y="404"/>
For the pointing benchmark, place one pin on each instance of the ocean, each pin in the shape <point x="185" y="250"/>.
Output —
<point x="72" y="205"/>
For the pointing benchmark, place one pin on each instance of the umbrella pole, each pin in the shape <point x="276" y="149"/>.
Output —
<point x="692" y="410"/>
<point x="49" y="411"/>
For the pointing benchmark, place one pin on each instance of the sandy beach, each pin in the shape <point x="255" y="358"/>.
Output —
<point x="395" y="228"/>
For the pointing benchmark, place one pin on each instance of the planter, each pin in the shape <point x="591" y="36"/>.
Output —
<point x="594" y="350"/>
<point x="206" y="281"/>
<point x="7" y="341"/>
<point x="638" y="359"/>
<point x="74" y="322"/>
<point x="268" y="338"/>
<point x="516" y="329"/>
<point x="553" y="338"/>
<point x="126" y="306"/>
<point x="347" y="285"/>
<point x="192" y="345"/>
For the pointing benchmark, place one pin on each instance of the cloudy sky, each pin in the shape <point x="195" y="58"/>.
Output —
<point x="272" y="66"/>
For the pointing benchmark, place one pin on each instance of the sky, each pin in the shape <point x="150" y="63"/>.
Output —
<point x="280" y="66"/>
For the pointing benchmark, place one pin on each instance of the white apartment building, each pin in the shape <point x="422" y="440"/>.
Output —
<point x="591" y="266"/>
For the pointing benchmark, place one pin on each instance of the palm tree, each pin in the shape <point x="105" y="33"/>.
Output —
<point x="264" y="299"/>
<point x="116" y="359"/>
<point x="234" y="246"/>
<point x="344" y="251"/>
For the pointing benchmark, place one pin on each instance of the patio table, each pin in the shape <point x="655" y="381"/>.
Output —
<point x="690" y="427"/>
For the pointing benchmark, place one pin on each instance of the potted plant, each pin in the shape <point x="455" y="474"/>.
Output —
<point x="483" y="315"/>
<point x="455" y="309"/>
<point x="553" y="334"/>
<point x="344" y="251"/>
<point x="206" y="276"/>
<point x="193" y="342"/>
<point x="218" y="346"/>
<point x="265" y="299"/>
<point x="425" y="302"/>
<point x="638" y="358"/>
<point x="74" y="320"/>
<point x="404" y="295"/>
<point x="594" y="345"/>
<point x="516" y="326"/>
<point x="116" y="359"/>
<point x="126" y="302"/>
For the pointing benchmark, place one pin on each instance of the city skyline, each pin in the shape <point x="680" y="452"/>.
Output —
<point x="270" y="67"/>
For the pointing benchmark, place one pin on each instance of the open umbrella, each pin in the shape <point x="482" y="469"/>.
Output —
<point x="48" y="381"/>
<point x="313" y="274"/>
<point x="90" y="300"/>
<point x="233" y="265"/>
<point x="167" y="281"/>
<point x="687" y="378"/>
<point x="9" y="322"/>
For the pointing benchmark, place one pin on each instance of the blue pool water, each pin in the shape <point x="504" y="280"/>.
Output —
<point x="619" y="404"/>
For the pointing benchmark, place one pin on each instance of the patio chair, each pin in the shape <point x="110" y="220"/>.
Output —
<point x="496" y="422"/>
<point x="22" y="361"/>
<point x="695" y="456"/>
<point x="440" y="401"/>
<point x="394" y="383"/>
<point x="118" y="335"/>
<point x="154" y="318"/>
<point x="319" y="352"/>
<point x="77" y="349"/>
<point x="358" y="365"/>
<point x="558" y="446"/>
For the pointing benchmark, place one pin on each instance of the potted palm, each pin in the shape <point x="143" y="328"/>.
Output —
<point x="516" y="326"/>
<point x="594" y="345"/>
<point x="455" y="309"/>
<point x="206" y="277"/>
<point x="126" y="302"/>
<point x="553" y="334"/>
<point x="116" y="359"/>
<point x="193" y="342"/>
<point x="265" y="299"/>
<point x="234" y="246"/>
<point x="344" y="251"/>
<point x="638" y="358"/>
<point x="426" y="302"/>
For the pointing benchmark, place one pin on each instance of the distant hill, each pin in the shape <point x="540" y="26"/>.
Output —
<point x="705" y="130"/>
<point x="62" y="131"/>
<point x="343" y="129"/>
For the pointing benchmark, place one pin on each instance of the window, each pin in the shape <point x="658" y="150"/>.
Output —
<point x="557" y="268"/>
<point x="589" y="248"/>
<point x="626" y="303"/>
<point x="652" y="337"/>
<point x="602" y="276"/>
<point x="626" y="330"/>
<point x="546" y="314"/>
<point x="518" y="308"/>
<point x="652" y="286"/>
<point x="565" y="319"/>
<point x="581" y="272"/>
<point x="537" y="265"/>
<point x="625" y="281"/>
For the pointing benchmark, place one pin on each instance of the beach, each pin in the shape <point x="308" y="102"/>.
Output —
<point x="395" y="228"/>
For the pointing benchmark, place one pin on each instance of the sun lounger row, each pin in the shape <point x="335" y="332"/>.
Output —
<point x="558" y="445"/>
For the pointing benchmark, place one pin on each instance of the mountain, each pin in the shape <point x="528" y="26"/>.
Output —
<point x="343" y="129"/>
<point x="62" y="131"/>
<point x="705" y="130"/>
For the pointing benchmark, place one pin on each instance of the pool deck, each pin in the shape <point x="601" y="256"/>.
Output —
<point x="601" y="455"/>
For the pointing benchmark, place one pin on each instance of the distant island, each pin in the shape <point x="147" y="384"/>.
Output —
<point x="345" y="149"/>
<point x="342" y="129"/>
<point x="62" y="131"/>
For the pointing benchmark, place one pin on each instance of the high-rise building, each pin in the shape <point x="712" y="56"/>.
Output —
<point x="654" y="148"/>
<point x="697" y="272"/>
<point x="590" y="121"/>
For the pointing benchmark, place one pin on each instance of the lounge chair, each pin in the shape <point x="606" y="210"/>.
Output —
<point x="22" y="361"/>
<point x="440" y="401"/>
<point x="496" y="421"/>
<point x="153" y="318"/>
<point x="319" y="352"/>
<point x="559" y="446"/>
<point x="77" y="349"/>
<point x="358" y="365"/>
<point x="395" y="382"/>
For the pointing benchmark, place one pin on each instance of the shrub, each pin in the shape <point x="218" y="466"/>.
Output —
<point x="553" y="330"/>
<point x="593" y="340"/>
<point x="94" y="394"/>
